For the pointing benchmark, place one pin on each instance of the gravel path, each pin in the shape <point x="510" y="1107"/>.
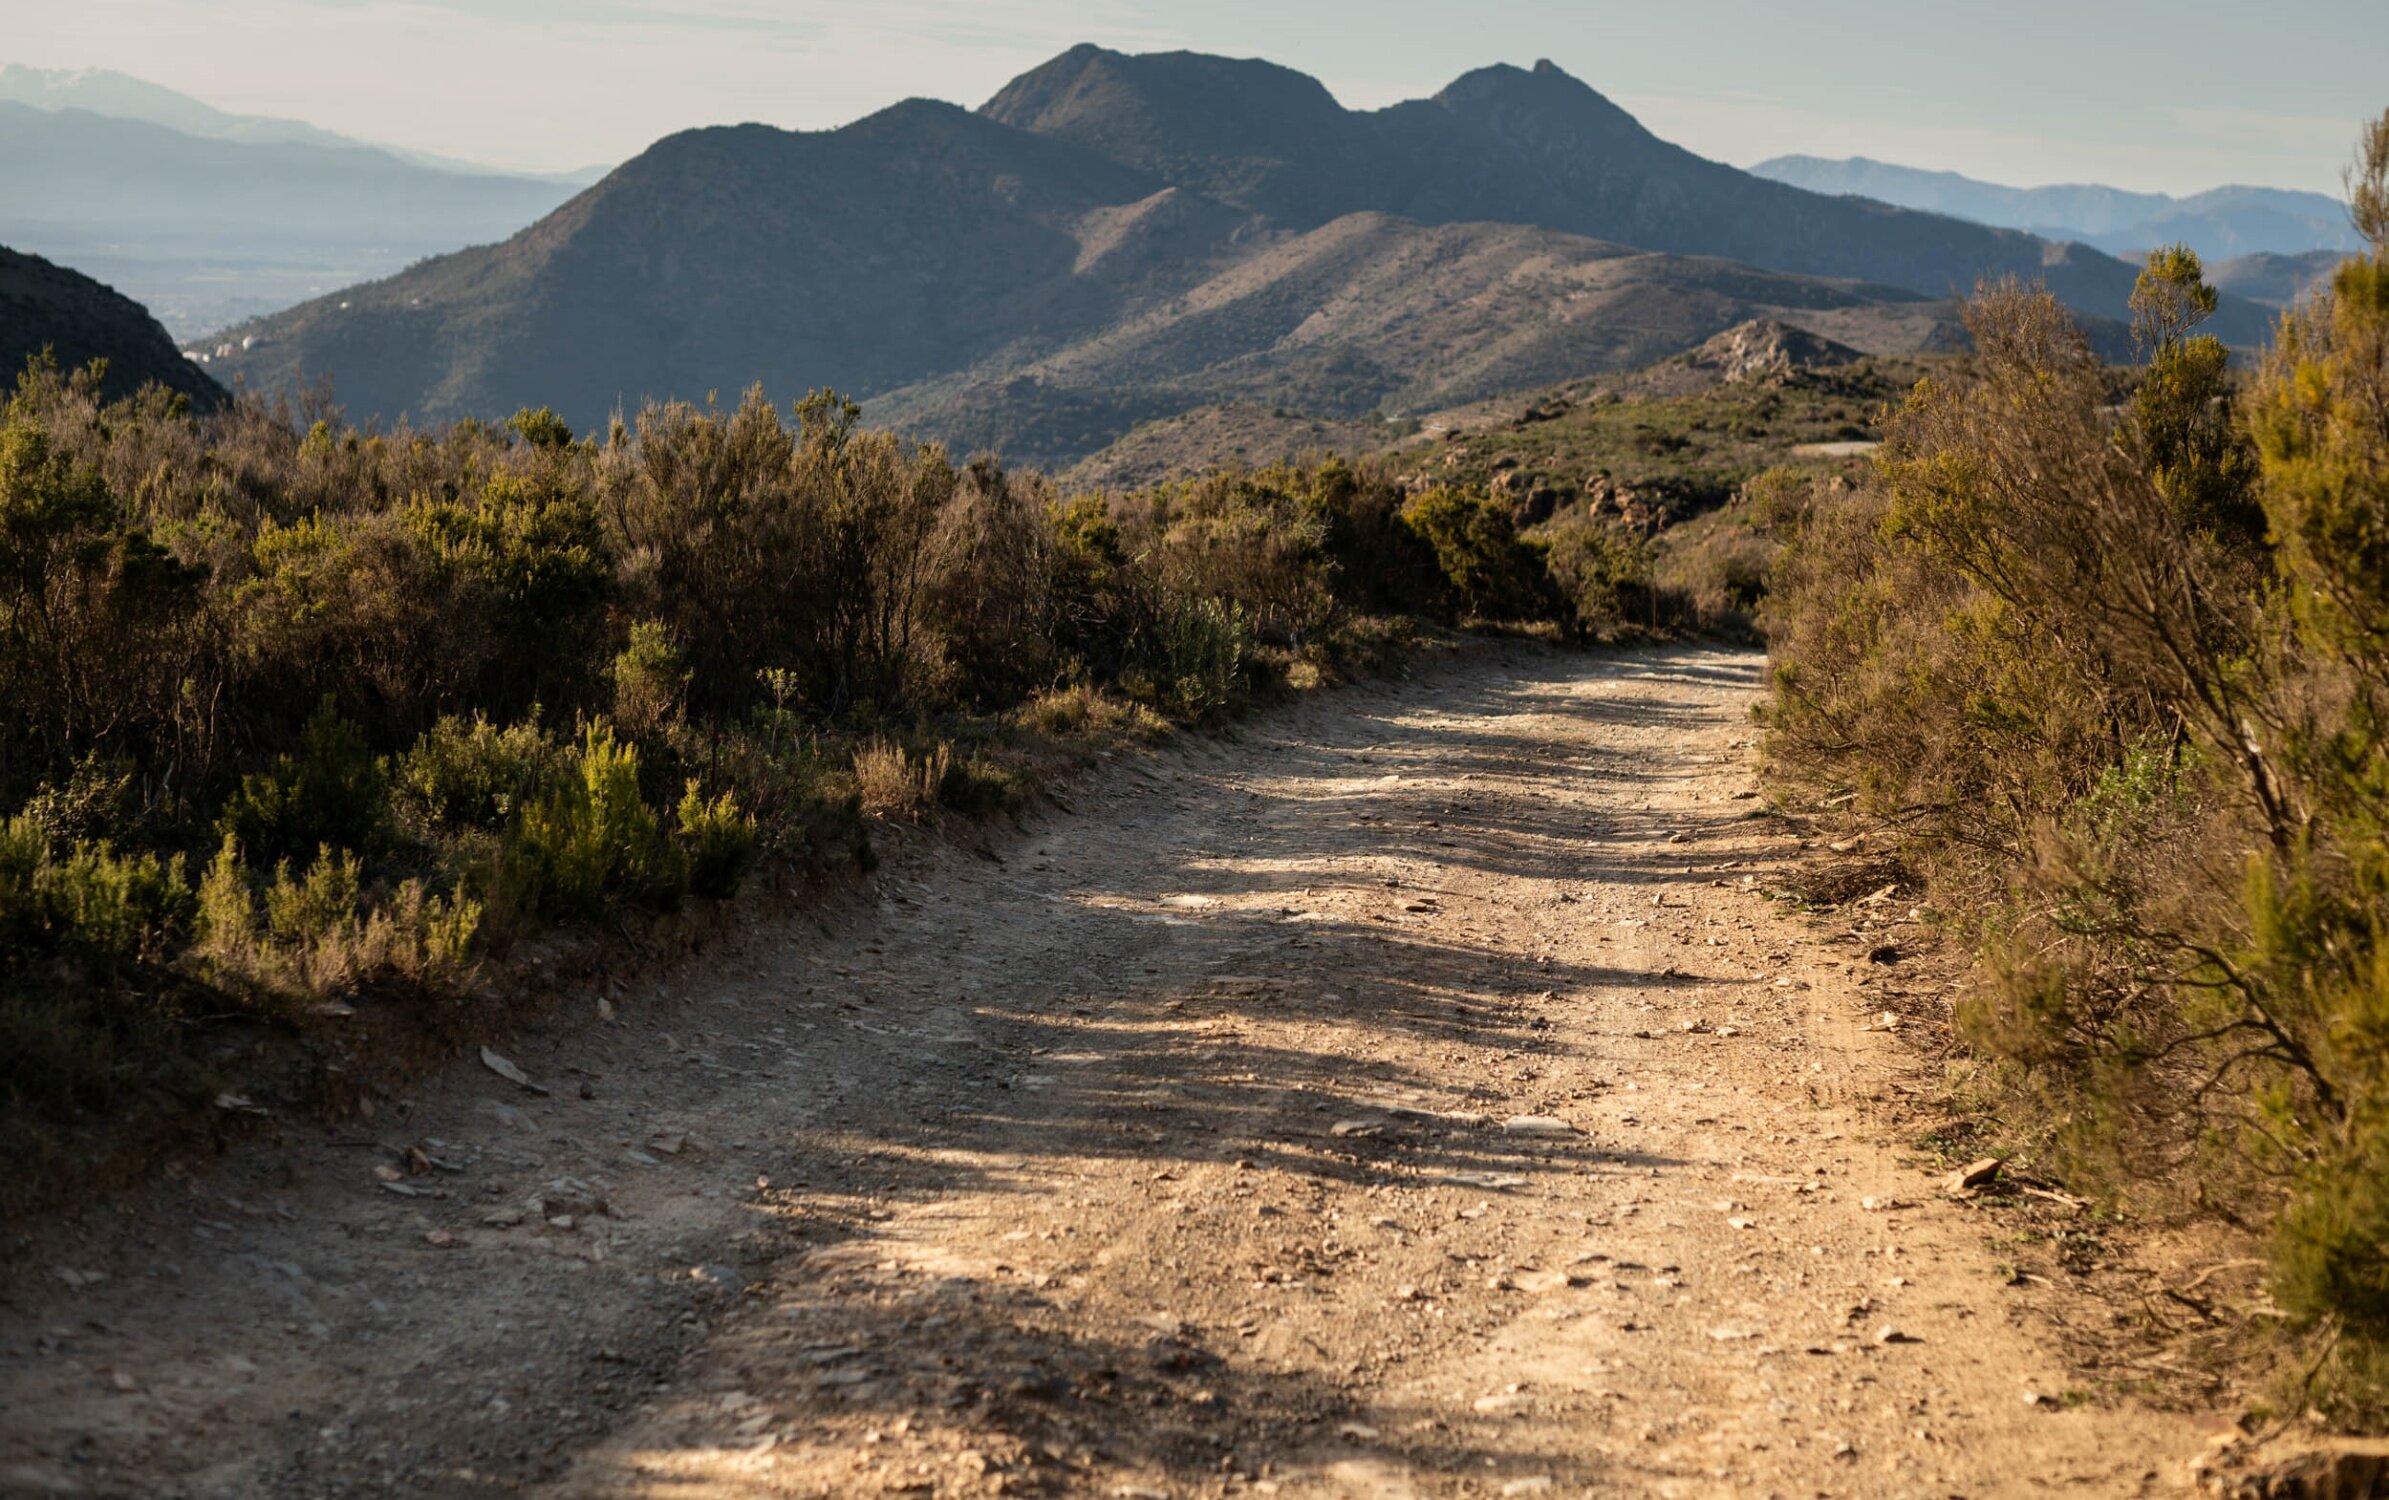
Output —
<point x="1408" y="1095"/>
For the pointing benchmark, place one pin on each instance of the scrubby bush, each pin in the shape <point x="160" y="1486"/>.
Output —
<point x="1493" y="573"/>
<point x="895" y="782"/>
<point x="2119" y="679"/>
<point x="470" y="774"/>
<point x="317" y="932"/>
<point x="717" y="841"/>
<point x="333" y="791"/>
<point x="87" y="901"/>
<point x="649" y="682"/>
<point x="1605" y="575"/>
<point x="590" y="836"/>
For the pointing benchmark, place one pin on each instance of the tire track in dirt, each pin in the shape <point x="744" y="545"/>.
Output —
<point x="1408" y="1095"/>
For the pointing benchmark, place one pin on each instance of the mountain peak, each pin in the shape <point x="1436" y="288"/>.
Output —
<point x="1112" y="99"/>
<point x="1506" y="96"/>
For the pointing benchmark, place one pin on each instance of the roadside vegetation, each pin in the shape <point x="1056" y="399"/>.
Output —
<point x="300" y="721"/>
<point x="2115" y="680"/>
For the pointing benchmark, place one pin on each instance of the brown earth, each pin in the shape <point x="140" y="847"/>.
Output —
<point x="1413" y="1094"/>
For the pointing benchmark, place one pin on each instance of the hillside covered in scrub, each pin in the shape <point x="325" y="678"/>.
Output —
<point x="77" y="320"/>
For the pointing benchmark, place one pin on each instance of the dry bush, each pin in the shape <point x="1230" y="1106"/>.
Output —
<point x="896" y="783"/>
<point x="2120" y="678"/>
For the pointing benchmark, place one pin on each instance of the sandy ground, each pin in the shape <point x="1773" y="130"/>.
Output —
<point x="1412" y="1094"/>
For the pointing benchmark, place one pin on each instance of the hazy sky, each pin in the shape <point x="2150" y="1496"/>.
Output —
<point x="2174" y="96"/>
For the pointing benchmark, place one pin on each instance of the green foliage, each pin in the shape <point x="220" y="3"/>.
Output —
<point x="1191" y="662"/>
<point x="979" y="788"/>
<point x="319" y="931"/>
<point x="95" y="617"/>
<point x="94" y="801"/>
<point x="530" y="566"/>
<point x="649" y="682"/>
<point x="89" y="902"/>
<point x="591" y="836"/>
<point x="2127" y="692"/>
<point x="541" y="429"/>
<point x="1492" y="573"/>
<point x="1684" y="451"/>
<point x="1606" y="577"/>
<point x="716" y="841"/>
<point x="334" y="791"/>
<point x="470" y="774"/>
<point x="2183" y="408"/>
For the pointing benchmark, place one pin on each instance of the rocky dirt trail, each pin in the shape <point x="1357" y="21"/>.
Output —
<point x="1411" y="1095"/>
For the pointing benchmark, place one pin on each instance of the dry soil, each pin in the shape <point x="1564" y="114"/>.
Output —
<point x="1412" y="1093"/>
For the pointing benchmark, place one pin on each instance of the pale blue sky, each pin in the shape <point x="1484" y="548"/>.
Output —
<point x="2174" y="96"/>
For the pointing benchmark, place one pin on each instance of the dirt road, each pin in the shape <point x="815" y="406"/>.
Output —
<point x="1410" y="1096"/>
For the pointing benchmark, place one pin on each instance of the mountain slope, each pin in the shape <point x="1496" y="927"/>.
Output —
<point x="1369" y="315"/>
<point x="1518" y="146"/>
<point x="1117" y="240"/>
<point x="2274" y="280"/>
<point x="896" y="248"/>
<point x="78" y="320"/>
<point x="996" y="287"/>
<point x="2218" y="224"/>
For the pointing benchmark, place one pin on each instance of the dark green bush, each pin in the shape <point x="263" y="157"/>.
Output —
<point x="590" y="836"/>
<point x="1493" y="574"/>
<point x="334" y="791"/>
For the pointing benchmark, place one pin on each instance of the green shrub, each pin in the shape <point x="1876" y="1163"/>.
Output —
<point x="591" y="837"/>
<point x="717" y="842"/>
<point x="333" y="792"/>
<point x="1492" y="572"/>
<point x="316" y="933"/>
<point x="90" y="902"/>
<point x="471" y="774"/>
<point x="1383" y="566"/>
<point x="1192" y="659"/>
<point x="979" y="788"/>
<point x="1605" y="575"/>
<point x="650" y="683"/>
<point x="95" y="802"/>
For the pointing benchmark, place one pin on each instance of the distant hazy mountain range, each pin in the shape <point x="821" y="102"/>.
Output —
<point x="2275" y="280"/>
<point x="2220" y="224"/>
<point x="1114" y="239"/>
<point x="43" y="306"/>
<point x="209" y="217"/>
<point x="103" y="91"/>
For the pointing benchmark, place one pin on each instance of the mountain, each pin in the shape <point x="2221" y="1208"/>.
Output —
<point x="1516" y="146"/>
<point x="206" y="230"/>
<point x="2218" y="224"/>
<point x="1369" y="315"/>
<point x="2274" y="280"/>
<point x="1114" y="240"/>
<point x="997" y="287"/>
<point x="79" y="320"/>
<point x="103" y="91"/>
